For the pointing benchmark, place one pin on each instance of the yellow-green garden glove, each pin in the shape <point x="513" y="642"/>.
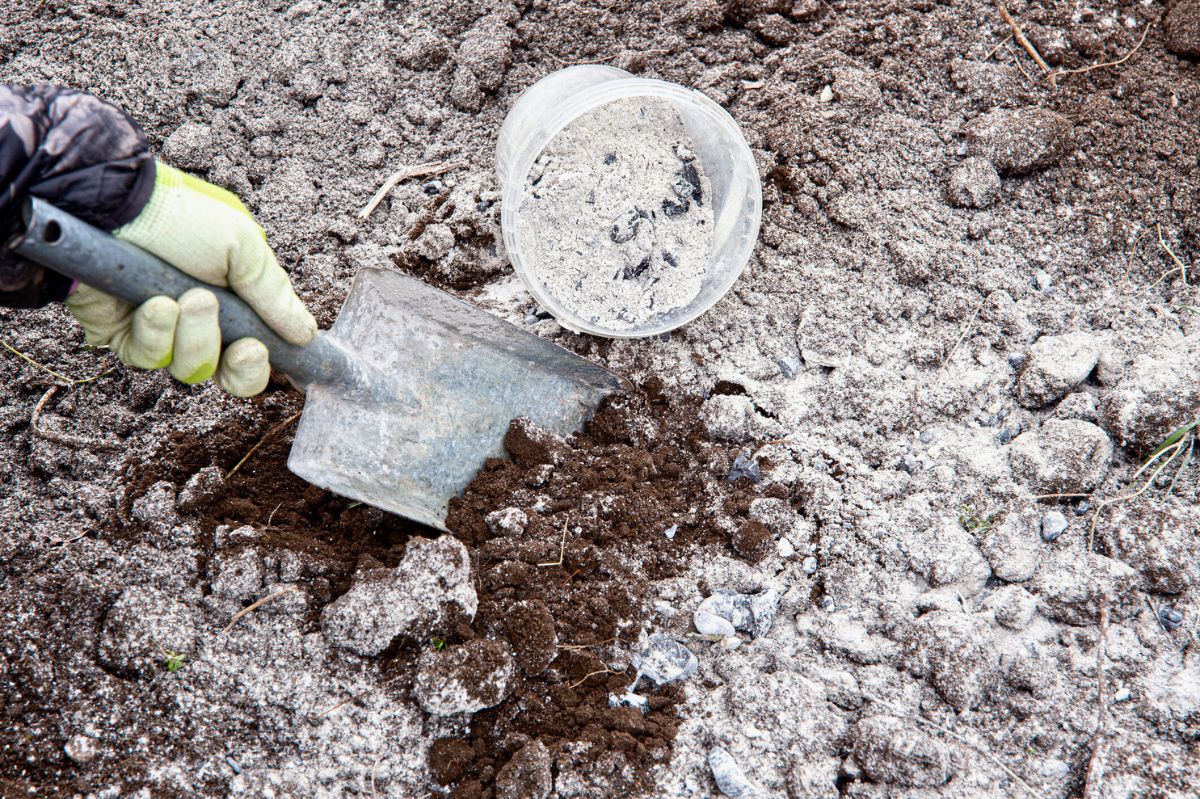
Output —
<point x="206" y="232"/>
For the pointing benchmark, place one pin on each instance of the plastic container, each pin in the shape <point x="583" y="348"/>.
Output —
<point x="558" y="99"/>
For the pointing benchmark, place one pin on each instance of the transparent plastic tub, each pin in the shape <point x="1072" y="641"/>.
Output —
<point x="563" y="96"/>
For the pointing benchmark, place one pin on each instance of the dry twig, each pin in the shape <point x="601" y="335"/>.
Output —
<point x="1019" y="35"/>
<point x="262" y="441"/>
<point x="1095" y="771"/>
<point x="1117" y="63"/>
<point x="251" y="608"/>
<point x="420" y="170"/>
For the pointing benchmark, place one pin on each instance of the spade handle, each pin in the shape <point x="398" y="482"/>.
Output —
<point x="68" y="245"/>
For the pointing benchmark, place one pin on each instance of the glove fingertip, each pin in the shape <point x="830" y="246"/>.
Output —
<point x="245" y="368"/>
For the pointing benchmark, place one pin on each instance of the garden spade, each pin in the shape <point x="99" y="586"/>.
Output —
<point x="407" y="394"/>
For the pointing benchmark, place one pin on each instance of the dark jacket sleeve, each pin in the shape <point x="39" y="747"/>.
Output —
<point x="76" y="151"/>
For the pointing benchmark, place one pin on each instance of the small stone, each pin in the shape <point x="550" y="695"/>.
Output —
<point x="711" y="624"/>
<point x="1056" y="365"/>
<point x="1054" y="524"/>
<point x="728" y="775"/>
<point x="973" y="184"/>
<point x="1042" y="280"/>
<point x="665" y="660"/>
<point x="748" y="613"/>
<point x="1169" y="617"/>
<point x="671" y="531"/>
<point x="892" y="751"/>
<point x="1063" y="456"/>
<point x="927" y="436"/>
<point x="810" y="565"/>
<point x="527" y="774"/>
<point x="1054" y="769"/>
<point x="908" y="464"/>
<point x="1020" y="140"/>
<point x="629" y="699"/>
<point x="745" y="466"/>
<point x="463" y="679"/>
<point x="1181" y="28"/>
<point x="826" y="95"/>
<point x="784" y="548"/>
<point x="788" y="367"/>
<point x="82" y="749"/>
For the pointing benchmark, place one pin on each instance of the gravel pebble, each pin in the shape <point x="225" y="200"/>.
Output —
<point x="1054" y="524"/>
<point x="665" y="660"/>
<point x="728" y="775"/>
<point x="1170" y="617"/>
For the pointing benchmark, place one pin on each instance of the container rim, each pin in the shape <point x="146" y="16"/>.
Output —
<point x="513" y="179"/>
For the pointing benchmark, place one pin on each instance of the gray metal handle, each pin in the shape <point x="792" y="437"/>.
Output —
<point x="72" y="247"/>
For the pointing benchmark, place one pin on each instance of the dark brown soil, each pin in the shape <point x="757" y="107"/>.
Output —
<point x="606" y="498"/>
<point x="567" y="595"/>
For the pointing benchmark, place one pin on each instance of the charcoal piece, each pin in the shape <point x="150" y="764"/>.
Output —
<point x="636" y="271"/>
<point x="673" y="208"/>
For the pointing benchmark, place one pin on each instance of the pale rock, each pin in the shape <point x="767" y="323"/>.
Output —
<point x="1071" y="586"/>
<point x="1063" y="455"/>
<point x="1056" y="364"/>
<point x="1012" y="547"/>
<point x="893" y="751"/>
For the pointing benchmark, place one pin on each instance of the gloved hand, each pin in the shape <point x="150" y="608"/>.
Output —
<point x="206" y="232"/>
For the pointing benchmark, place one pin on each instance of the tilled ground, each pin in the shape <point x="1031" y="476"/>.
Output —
<point x="972" y="307"/>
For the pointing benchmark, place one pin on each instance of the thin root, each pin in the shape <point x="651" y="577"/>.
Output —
<point x="418" y="171"/>
<point x="262" y="441"/>
<point x="59" y="438"/>
<point x="586" y="677"/>
<point x="1117" y="63"/>
<point x="1167" y="247"/>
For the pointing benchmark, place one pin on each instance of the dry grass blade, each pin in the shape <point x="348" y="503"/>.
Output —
<point x="589" y="675"/>
<point x="996" y="49"/>
<point x="562" y="548"/>
<point x="262" y="441"/>
<point x="1173" y="449"/>
<point x="246" y="611"/>
<point x="357" y="696"/>
<point x="418" y="171"/>
<point x="960" y="738"/>
<point x="1106" y="64"/>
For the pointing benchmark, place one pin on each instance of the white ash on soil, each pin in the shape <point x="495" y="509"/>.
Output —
<point x="616" y="221"/>
<point x="873" y="313"/>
